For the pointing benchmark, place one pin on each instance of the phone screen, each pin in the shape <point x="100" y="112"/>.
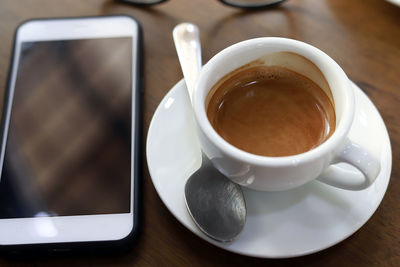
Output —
<point x="68" y="148"/>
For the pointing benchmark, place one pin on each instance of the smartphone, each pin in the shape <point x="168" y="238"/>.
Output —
<point x="71" y="133"/>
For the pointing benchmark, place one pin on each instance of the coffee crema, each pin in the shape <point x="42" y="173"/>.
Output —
<point x="270" y="111"/>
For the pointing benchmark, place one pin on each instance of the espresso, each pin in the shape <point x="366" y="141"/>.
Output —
<point x="270" y="111"/>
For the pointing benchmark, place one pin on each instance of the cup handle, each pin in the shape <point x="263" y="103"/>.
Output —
<point x="353" y="154"/>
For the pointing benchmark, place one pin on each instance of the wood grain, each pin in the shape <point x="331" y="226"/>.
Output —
<point x="363" y="36"/>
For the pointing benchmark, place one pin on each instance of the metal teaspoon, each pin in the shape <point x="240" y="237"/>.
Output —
<point x="216" y="204"/>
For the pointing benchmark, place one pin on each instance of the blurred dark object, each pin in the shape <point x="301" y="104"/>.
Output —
<point x="247" y="4"/>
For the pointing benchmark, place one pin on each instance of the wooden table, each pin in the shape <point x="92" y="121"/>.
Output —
<point x="363" y="36"/>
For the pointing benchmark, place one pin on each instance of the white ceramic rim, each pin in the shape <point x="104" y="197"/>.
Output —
<point x="311" y="53"/>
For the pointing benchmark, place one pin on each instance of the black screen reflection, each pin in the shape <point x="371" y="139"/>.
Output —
<point x="69" y="141"/>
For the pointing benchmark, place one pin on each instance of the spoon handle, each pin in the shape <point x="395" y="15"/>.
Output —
<point x="187" y="43"/>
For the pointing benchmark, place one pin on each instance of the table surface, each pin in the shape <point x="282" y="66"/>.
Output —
<point x="363" y="36"/>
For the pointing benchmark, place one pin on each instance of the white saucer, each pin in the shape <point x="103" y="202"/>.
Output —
<point x="279" y="224"/>
<point x="395" y="2"/>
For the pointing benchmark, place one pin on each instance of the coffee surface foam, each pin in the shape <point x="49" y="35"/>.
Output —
<point x="270" y="111"/>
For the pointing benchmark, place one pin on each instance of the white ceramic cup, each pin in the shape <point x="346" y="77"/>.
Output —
<point x="283" y="173"/>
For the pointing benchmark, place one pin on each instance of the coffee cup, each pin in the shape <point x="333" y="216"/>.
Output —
<point x="328" y="144"/>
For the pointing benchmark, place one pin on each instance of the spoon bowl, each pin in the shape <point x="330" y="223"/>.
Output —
<point x="216" y="205"/>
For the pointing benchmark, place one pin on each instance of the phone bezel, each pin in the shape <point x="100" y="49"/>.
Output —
<point x="85" y="228"/>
